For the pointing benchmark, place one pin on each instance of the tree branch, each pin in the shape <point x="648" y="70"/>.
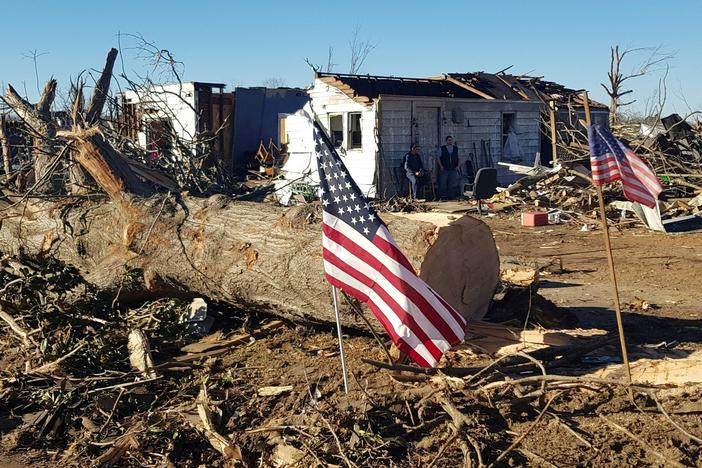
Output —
<point x="102" y="87"/>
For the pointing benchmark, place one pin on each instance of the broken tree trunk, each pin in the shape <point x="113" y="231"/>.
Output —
<point x="78" y="180"/>
<point x="5" y="145"/>
<point x="44" y="131"/>
<point x="107" y="167"/>
<point x="252" y="255"/>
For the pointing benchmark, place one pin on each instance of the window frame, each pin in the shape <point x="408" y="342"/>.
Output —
<point x="331" y="131"/>
<point x="349" y="139"/>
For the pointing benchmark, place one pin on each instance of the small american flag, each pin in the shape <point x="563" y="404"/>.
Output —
<point x="611" y="160"/>
<point x="362" y="259"/>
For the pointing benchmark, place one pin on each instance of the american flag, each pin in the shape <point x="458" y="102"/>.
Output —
<point x="611" y="160"/>
<point x="362" y="259"/>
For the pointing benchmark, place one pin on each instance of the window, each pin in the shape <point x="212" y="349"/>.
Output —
<point x="336" y="129"/>
<point x="159" y="136"/>
<point x="354" y="139"/>
<point x="507" y="126"/>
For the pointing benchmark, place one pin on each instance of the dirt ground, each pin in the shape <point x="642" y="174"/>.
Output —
<point x="389" y="418"/>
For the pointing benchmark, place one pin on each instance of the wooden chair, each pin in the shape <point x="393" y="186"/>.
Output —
<point x="429" y="187"/>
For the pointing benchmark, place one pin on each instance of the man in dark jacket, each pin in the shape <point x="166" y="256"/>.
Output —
<point x="414" y="169"/>
<point x="448" y="169"/>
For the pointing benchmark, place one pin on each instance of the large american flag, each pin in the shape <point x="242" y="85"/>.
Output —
<point x="362" y="259"/>
<point x="610" y="160"/>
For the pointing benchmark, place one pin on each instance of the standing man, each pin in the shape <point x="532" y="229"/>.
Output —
<point x="448" y="169"/>
<point x="414" y="169"/>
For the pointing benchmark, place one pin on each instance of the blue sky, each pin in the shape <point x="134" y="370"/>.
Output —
<point x="247" y="43"/>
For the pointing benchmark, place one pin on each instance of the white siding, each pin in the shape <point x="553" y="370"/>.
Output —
<point x="360" y="162"/>
<point x="174" y="102"/>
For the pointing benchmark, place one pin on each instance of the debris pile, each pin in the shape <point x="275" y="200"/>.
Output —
<point x="566" y="190"/>
<point x="396" y="204"/>
<point x="92" y="381"/>
<point x="673" y="150"/>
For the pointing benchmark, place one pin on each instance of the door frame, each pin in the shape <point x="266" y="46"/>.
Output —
<point x="439" y="107"/>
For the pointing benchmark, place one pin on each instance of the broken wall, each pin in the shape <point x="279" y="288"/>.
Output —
<point x="256" y="118"/>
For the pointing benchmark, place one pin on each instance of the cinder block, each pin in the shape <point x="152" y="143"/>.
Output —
<point x="535" y="218"/>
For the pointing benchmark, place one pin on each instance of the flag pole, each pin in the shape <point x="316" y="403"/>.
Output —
<point x="610" y="258"/>
<point x="341" y="340"/>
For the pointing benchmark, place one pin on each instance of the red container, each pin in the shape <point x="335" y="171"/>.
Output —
<point x="535" y="218"/>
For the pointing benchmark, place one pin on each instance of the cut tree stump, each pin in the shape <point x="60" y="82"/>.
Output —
<point x="252" y="255"/>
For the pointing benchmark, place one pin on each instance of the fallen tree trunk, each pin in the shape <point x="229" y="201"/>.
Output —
<point x="252" y="255"/>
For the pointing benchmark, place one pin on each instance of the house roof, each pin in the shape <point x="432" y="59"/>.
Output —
<point x="365" y="88"/>
<point x="521" y="88"/>
<point x="478" y="85"/>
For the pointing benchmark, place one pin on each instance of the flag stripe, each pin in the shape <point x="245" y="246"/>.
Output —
<point x="384" y="314"/>
<point x="383" y="242"/>
<point x="393" y="265"/>
<point x="402" y="292"/>
<point x="385" y="234"/>
<point x="400" y="303"/>
<point x="408" y="327"/>
<point x="393" y="271"/>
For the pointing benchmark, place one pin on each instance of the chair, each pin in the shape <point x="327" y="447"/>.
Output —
<point x="485" y="186"/>
<point x="401" y="181"/>
<point x="429" y="187"/>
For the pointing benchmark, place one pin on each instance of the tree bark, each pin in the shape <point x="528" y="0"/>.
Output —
<point x="78" y="180"/>
<point x="44" y="129"/>
<point x="102" y="87"/>
<point x="251" y="255"/>
<point x="107" y="167"/>
<point x="5" y="145"/>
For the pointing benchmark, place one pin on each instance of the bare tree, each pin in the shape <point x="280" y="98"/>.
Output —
<point x="654" y="59"/>
<point x="360" y="50"/>
<point x="34" y="56"/>
<point x="330" y="59"/>
<point x="273" y="82"/>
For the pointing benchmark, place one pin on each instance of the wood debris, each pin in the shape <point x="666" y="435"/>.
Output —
<point x="140" y="354"/>
<point x="273" y="391"/>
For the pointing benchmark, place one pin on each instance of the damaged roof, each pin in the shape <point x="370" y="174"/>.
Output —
<point x="365" y="88"/>
<point x="477" y="85"/>
<point x="520" y="88"/>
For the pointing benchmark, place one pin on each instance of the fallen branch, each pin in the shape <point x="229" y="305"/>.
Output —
<point x="450" y="371"/>
<point x="443" y="448"/>
<point x="338" y="442"/>
<point x="124" y="385"/>
<point x="217" y="440"/>
<point x="572" y="431"/>
<point x="53" y="364"/>
<point x="21" y="332"/>
<point x="458" y="420"/>
<point x="537" y="379"/>
<point x="121" y="446"/>
<point x="669" y="418"/>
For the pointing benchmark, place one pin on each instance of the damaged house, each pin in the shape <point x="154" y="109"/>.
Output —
<point x="193" y="113"/>
<point x="207" y="119"/>
<point x="373" y="120"/>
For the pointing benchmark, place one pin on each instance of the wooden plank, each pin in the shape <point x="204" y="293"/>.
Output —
<point x="513" y="88"/>
<point x="468" y="87"/>
<point x="203" y="348"/>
